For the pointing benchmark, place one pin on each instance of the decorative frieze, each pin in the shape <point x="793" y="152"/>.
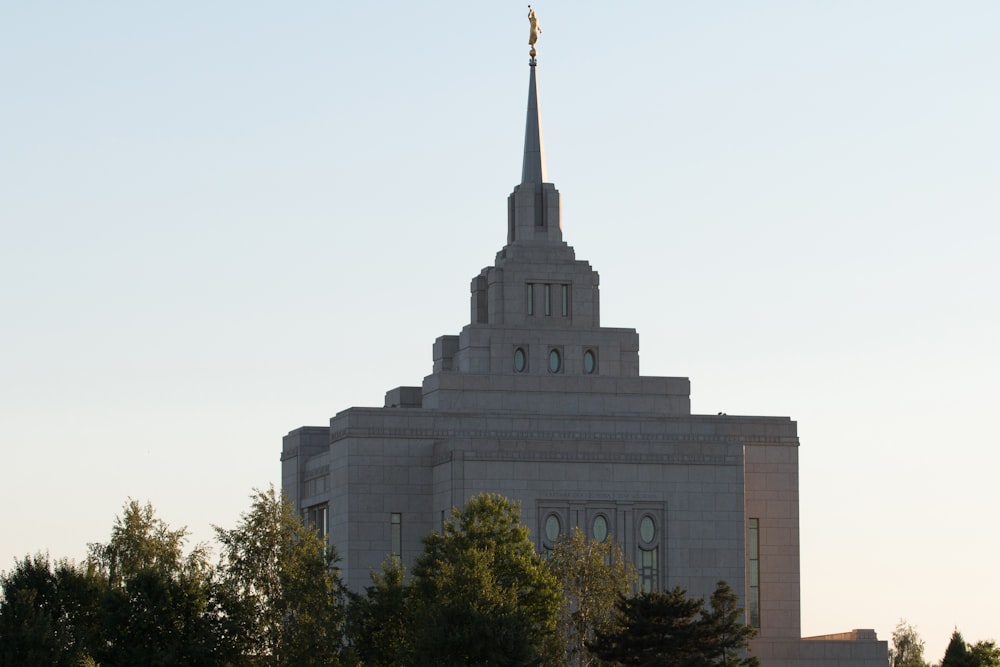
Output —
<point x="558" y="435"/>
<point x="593" y="457"/>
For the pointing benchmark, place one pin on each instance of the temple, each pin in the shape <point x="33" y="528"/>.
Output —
<point x="535" y="400"/>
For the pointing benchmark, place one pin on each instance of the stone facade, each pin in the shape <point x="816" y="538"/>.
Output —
<point x="535" y="400"/>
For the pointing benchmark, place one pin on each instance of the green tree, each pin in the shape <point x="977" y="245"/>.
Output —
<point x="728" y="635"/>
<point x="138" y="600"/>
<point x="141" y="542"/>
<point x="592" y="576"/>
<point x="378" y="621"/>
<point x="282" y="592"/>
<point x="48" y="613"/>
<point x="159" y="605"/>
<point x="957" y="654"/>
<point x="907" y="647"/>
<point x="985" y="653"/>
<point x="653" y="629"/>
<point x="481" y="593"/>
<point x="670" y="629"/>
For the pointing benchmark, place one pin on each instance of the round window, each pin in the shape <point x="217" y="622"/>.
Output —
<point x="647" y="529"/>
<point x="600" y="528"/>
<point x="552" y="527"/>
<point x="520" y="360"/>
<point x="555" y="361"/>
<point x="589" y="362"/>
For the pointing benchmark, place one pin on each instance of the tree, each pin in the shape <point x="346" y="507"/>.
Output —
<point x="985" y="654"/>
<point x="140" y="541"/>
<point x="481" y="593"/>
<point x="592" y="575"/>
<point x="957" y="654"/>
<point x="378" y="621"/>
<point x="907" y="647"/>
<point x="670" y="629"/>
<point x="282" y="591"/>
<point x="159" y="605"/>
<point x="138" y="600"/>
<point x="47" y="613"/>
<point x="653" y="629"/>
<point x="728" y="635"/>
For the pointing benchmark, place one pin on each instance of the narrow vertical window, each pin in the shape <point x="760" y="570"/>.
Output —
<point x="565" y="300"/>
<point x="396" y="537"/>
<point x="548" y="299"/>
<point x="529" y="298"/>
<point x="317" y="518"/>
<point x="649" y="571"/>
<point x="753" y="578"/>
<point x="649" y="556"/>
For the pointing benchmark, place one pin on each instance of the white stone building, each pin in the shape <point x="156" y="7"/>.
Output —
<point x="535" y="400"/>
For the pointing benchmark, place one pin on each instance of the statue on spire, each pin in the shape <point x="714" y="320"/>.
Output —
<point x="534" y="32"/>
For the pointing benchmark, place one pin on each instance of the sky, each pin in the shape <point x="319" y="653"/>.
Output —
<point x="222" y="221"/>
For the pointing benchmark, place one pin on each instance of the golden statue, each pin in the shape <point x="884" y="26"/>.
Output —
<point x="535" y="28"/>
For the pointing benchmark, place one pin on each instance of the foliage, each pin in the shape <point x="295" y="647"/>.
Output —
<point x="158" y="605"/>
<point x="961" y="654"/>
<point x="481" y="594"/>
<point x="907" y="647"/>
<point x="669" y="629"/>
<point x="138" y="600"/>
<point x="592" y="576"/>
<point x="141" y="542"/>
<point x="729" y="635"/>
<point x="47" y="613"/>
<point x="957" y="654"/>
<point x="378" y="621"/>
<point x="283" y="594"/>
<point x="985" y="654"/>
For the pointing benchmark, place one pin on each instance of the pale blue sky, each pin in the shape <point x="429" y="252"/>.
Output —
<point x="221" y="221"/>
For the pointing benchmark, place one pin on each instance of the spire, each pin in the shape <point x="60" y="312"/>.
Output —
<point x="533" y="207"/>
<point x="533" y="167"/>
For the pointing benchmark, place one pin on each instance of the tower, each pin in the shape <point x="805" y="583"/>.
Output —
<point x="536" y="400"/>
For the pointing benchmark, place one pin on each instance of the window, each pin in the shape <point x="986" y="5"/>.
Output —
<point x="530" y="298"/>
<point x="396" y="536"/>
<point x="315" y="485"/>
<point x="555" y="361"/>
<point x="552" y="527"/>
<point x="753" y="578"/>
<point x="649" y="571"/>
<point x="520" y="360"/>
<point x="599" y="528"/>
<point x="317" y="517"/>
<point x="548" y="299"/>
<point x="565" y="300"/>
<point x="647" y="529"/>
<point x="589" y="362"/>
<point x="649" y="556"/>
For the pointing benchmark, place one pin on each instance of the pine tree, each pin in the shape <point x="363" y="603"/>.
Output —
<point x="672" y="630"/>
<point x="957" y="654"/>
